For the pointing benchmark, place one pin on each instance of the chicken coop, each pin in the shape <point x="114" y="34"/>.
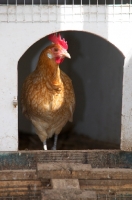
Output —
<point x="99" y="35"/>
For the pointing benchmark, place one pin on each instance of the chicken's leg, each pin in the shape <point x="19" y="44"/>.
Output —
<point x="45" y="145"/>
<point x="55" y="142"/>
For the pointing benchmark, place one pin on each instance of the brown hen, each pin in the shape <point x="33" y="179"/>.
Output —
<point x="47" y="97"/>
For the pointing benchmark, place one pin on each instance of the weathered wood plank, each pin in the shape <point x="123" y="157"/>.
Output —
<point x="14" y="194"/>
<point x="110" y="174"/>
<point x="62" y="170"/>
<point x="22" y="195"/>
<point x="23" y="187"/>
<point x="21" y="183"/>
<point x="63" y="166"/>
<point x="97" y="158"/>
<point x="80" y="171"/>
<point x="65" y="184"/>
<point x="122" y="196"/>
<point x="18" y="175"/>
<point x="106" y="186"/>
<point x="68" y="194"/>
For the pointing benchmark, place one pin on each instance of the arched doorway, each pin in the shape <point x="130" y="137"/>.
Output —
<point x="96" y="69"/>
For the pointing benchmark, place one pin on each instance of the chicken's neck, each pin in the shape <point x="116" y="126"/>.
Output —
<point x="51" y="74"/>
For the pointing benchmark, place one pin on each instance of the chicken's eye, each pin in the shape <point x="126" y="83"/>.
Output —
<point x="56" y="49"/>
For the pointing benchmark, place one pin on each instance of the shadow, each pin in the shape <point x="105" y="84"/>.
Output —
<point x="100" y="68"/>
<point x="72" y="70"/>
<point x="96" y="69"/>
<point x="66" y="141"/>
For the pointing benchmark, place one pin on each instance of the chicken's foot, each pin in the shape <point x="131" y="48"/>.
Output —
<point x="45" y="145"/>
<point x="55" y="142"/>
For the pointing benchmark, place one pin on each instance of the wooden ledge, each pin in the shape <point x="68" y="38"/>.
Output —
<point x="96" y="158"/>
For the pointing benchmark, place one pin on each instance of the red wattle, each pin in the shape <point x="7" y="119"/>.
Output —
<point x="59" y="60"/>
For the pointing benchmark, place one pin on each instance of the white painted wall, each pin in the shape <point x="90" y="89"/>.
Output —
<point x="126" y="136"/>
<point x="18" y="35"/>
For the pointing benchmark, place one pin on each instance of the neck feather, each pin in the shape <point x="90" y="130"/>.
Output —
<point x="50" y="71"/>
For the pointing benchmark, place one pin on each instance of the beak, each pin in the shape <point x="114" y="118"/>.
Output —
<point x="66" y="54"/>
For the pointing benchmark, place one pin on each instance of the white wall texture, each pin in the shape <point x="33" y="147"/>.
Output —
<point x="126" y="135"/>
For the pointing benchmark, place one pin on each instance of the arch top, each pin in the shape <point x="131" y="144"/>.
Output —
<point x="56" y="18"/>
<point x="41" y="32"/>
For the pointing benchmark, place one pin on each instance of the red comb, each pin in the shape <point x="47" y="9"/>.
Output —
<point x="58" y="40"/>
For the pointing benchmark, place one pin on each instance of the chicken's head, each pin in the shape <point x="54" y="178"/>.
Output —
<point x="58" y="50"/>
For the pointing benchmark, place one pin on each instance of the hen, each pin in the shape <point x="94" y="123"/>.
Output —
<point x="47" y="97"/>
